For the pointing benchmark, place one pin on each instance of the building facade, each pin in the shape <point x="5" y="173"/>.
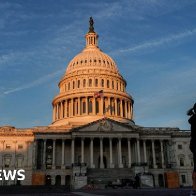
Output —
<point x="93" y="136"/>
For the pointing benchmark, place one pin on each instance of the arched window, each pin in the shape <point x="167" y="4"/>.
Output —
<point x="181" y="158"/>
<point x="69" y="86"/>
<point x="78" y="83"/>
<point x="84" y="83"/>
<point x="102" y="82"/>
<point x="108" y="84"/>
<point x="65" y="87"/>
<point x="117" y="86"/>
<point x="112" y="84"/>
<point x="118" y="107"/>
<point x="96" y="82"/>
<point x="90" y="82"/>
<point x="73" y="84"/>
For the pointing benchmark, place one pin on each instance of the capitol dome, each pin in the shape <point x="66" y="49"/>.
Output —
<point x="91" y="88"/>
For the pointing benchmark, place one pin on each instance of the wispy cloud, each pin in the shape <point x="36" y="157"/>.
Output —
<point x="159" y="42"/>
<point x="34" y="83"/>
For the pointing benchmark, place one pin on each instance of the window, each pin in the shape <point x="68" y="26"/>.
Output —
<point x="90" y="82"/>
<point x="102" y="82"/>
<point x="78" y="83"/>
<point x="84" y="83"/>
<point x="97" y="106"/>
<point x="183" y="178"/>
<point x="180" y="147"/>
<point x="20" y="146"/>
<point x="7" y="161"/>
<point x="73" y="84"/>
<point x="117" y="86"/>
<point x="112" y="84"/>
<point x="96" y="82"/>
<point x="8" y="146"/>
<point x="181" y="161"/>
<point x="19" y="161"/>
<point x="108" y="84"/>
<point x="69" y="86"/>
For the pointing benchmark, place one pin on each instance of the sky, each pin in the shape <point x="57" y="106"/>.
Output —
<point x="153" y="43"/>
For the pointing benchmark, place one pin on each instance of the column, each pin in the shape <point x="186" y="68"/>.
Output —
<point x="34" y="154"/>
<point x="129" y="153"/>
<point x="53" y="154"/>
<point x="111" y="154"/>
<point x="63" y="155"/>
<point x="153" y="155"/>
<point x="129" y="110"/>
<point x="162" y="155"/>
<point x="116" y="113"/>
<point x="79" y="107"/>
<point x="138" y="151"/>
<point x="65" y="108"/>
<point x="94" y="106"/>
<point x="71" y="109"/>
<point x="126" y="109"/>
<point x="109" y="105"/>
<point x="54" y="111"/>
<point x="101" y="153"/>
<point x="82" y="150"/>
<point x="101" y="105"/>
<point x="72" y="151"/>
<point x="57" y="111"/>
<point x="86" y="105"/>
<point x="44" y="154"/>
<point x="119" y="154"/>
<point x="144" y="147"/>
<point x="27" y="153"/>
<point x="91" y="153"/>
<point x="61" y="116"/>
<point x="121" y="108"/>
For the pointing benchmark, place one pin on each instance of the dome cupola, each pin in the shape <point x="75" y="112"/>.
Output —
<point x="91" y="88"/>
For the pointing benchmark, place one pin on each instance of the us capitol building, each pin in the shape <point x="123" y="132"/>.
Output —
<point x="93" y="136"/>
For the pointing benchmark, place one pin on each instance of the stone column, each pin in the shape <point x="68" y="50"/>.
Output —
<point x="87" y="105"/>
<point x="119" y="154"/>
<point x="129" y="153"/>
<point x="82" y="150"/>
<point x="44" y="154"/>
<point x="65" y="109"/>
<point x="91" y="154"/>
<point x="121" y="108"/>
<point x="101" y="106"/>
<point x="101" y="153"/>
<point x="71" y="109"/>
<point x="72" y="150"/>
<point x="63" y="155"/>
<point x="116" y="112"/>
<point x="53" y="154"/>
<point x="126" y="109"/>
<point x="57" y="111"/>
<point x="129" y="110"/>
<point x="153" y="156"/>
<point x="34" y="154"/>
<point x="94" y="106"/>
<point x="138" y="151"/>
<point x="27" y="153"/>
<point x="54" y="111"/>
<point x="162" y="155"/>
<point x="144" y="147"/>
<point x="110" y="107"/>
<point x="61" y="116"/>
<point x="79" y="106"/>
<point x="111" y="154"/>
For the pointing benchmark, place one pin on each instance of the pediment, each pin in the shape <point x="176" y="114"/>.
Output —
<point x="106" y="125"/>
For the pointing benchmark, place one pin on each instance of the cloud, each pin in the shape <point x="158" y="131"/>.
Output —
<point x="161" y="41"/>
<point x="35" y="82"/>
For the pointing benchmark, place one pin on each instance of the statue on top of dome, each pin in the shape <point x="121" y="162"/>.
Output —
<point x="91" y="23"/>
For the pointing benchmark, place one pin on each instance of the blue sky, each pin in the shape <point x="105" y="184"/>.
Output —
<point x="152" y="41"/>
